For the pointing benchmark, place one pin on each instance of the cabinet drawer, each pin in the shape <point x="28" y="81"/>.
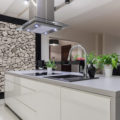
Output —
<point x="15" y="90"/>
<point x="32" y="84"/>
<point x="39" y="97"/>
<point x="21" y="110"/>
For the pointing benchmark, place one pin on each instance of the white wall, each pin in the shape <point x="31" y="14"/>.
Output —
<point x="87" y="40"/>
<point x="45" y="48"/>
<point x="99" y="44"/>
<point x="111" y="44"/>
<point x="55" y="51"/>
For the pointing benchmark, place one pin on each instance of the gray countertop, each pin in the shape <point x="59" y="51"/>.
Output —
<point x="102" y="86"/>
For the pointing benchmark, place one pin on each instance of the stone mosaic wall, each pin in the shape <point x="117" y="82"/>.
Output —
<point x="17" y="50"/>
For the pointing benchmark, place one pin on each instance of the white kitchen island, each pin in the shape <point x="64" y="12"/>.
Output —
<point x="39" y="98"/>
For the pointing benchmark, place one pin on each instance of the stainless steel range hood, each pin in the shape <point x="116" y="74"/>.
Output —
<point x="42" y="18"/>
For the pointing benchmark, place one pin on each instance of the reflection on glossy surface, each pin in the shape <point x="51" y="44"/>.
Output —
<point x="6" y="114"/>
<point x="68" y="78"/>
<point x="40" y="74"/>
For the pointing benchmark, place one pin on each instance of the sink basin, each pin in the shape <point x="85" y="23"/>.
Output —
<point x="39" y="74"/>
<point x="68" y="78"/>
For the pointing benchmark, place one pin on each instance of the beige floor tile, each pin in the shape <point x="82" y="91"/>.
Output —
<point x="6" y="114"/>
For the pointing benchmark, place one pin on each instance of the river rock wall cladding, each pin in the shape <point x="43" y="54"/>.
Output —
<point x="17" y="50"/>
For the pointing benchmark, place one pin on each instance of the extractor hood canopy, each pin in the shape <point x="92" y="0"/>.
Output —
<point x="42" y="18"/>
<point x="42" y="26"/>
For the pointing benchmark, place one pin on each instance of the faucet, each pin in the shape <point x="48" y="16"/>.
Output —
<point x="85" y="65"/>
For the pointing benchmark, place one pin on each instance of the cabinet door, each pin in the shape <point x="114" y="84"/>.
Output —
<point x="78" y="105"/>
<point x="43" y="100"/>
<point x="46" y="101"/>
<point x="12" y="94"/>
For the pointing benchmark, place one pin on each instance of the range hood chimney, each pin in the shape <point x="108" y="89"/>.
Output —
<point x="42" y="18"/>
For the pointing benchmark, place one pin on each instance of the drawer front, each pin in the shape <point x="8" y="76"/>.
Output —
<point x="13" y="90"/>
<point x="23" y="111"/>
<point x="44" y="99"/>
<point x="31" y="84"/>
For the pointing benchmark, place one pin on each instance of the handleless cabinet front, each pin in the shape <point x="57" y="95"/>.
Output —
<point x="32" y="100"/>
<point x="78" y="105"/>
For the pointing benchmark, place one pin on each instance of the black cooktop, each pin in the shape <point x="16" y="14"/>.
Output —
<point x="40" y="74"/>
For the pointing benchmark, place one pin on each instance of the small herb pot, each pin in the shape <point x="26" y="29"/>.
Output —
<point x="49" y="70"/>
<point x="108" y="70"/>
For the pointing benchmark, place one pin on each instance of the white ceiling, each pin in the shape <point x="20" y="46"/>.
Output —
<point x="78" y="7"/>
<point x="84" y="15"/>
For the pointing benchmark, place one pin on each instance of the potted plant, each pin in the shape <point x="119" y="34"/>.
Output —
<point x="109" y="62"/>
<point x="50" y="66"/>
<point x="91" y="61"/>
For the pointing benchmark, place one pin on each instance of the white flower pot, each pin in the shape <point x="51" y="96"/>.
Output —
<point x="49" y="71"/>
<point x="108" y="70"/>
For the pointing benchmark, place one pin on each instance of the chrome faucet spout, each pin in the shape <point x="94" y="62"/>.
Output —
<point x="84" y="50"/>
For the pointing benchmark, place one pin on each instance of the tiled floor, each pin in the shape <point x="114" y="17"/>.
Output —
<point x="5" y="113"/>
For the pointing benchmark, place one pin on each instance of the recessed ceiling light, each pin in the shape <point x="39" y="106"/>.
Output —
<point x="28" y="30"/>
<point x="45" y="33"/>
<point x="55" y="30"/>
<point x="36" y="25"/>
<point x="34" y="3"/>
<point x="26" y="2"/>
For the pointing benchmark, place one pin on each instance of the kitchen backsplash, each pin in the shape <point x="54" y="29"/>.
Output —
<point x="17" y="50"/>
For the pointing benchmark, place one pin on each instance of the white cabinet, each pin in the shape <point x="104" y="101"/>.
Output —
<point x="77" y="105"/>
<point x="32" y="100"/>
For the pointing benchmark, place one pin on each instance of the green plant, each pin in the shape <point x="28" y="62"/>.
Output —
<point x="108" y="59"/>
<point x="91" y="59"/>
<point x="99" y="64"/>
<point x="51" y="64"/>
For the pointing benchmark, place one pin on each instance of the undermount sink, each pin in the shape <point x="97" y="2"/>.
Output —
<point x="68" y="78"/>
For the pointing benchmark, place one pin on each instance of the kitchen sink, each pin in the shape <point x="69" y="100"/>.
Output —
<point x="69" y="78"/>
<point x="40" y="74"/>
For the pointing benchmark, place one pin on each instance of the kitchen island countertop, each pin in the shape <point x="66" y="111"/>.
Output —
<point x="102" y="86"/>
